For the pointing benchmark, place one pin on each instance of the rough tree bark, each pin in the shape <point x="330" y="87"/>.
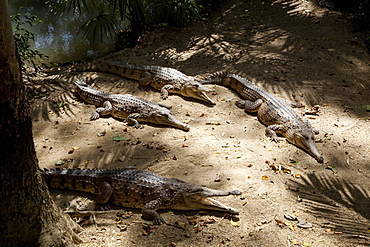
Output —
<point x="28" y="215"/>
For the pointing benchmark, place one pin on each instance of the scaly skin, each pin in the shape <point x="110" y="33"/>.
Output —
<point x="126" y="106"/>
<point x="277" y="114"/>
<point x="167" y="80"/>
<point x="129" y="187"/>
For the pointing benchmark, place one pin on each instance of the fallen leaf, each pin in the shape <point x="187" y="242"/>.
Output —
<point x="285" y="170"/>
<point x="333" y="168"/>
<point x="264" y="177"/>
<point x="313" y="110"/>
<point x="280" y="223"/>
<point x="213" y="123"/>
<point x="294" y="241"/>
<point x="293" y="162"/>
<point x="60" y="162"/>
<point x="366" y="107"/>
<point x="181" y="224"/>
<point x="233" y="223"/>
<point x="291" y="226"/>
<point x="118" y="138"/>
<point x="274" y="168"/>
<point x="75" y="148"/>
<point x="226" y="145"/>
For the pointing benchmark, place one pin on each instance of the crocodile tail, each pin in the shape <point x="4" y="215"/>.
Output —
<point x="80" y="82"/>
<point x="216" y="78"/>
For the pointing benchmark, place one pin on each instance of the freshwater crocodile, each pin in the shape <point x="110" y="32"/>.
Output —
<point x="278" y="115"/>
<point x="126" y="106"/>
<point x="167" y="80"/>
<point x="129" y="187"/>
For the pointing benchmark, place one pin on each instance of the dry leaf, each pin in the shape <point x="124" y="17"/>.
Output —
<point x="280" y="223"/>
<point x="233" y="223"/>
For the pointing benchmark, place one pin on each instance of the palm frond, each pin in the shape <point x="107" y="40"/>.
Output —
<point x="67" y="6"/>
<point x="102" y="25"/>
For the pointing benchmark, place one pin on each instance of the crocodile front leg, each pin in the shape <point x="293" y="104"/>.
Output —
<point x="249" y="106"/>
<point x="164" y="91"/>
<point x="105" y="110"/>
<point x="271" y="131"/>
<point x="131" y="119"/>
<point x="149" y="213"/>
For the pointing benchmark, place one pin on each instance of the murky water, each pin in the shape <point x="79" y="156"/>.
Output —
<point x="58" y="35"/>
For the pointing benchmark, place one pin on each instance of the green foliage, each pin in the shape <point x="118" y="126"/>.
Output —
<point x="23" y="38"/>
<point x="134" y="15"/>
<point x="101" y="25"/>
<point x="174" y="12"/>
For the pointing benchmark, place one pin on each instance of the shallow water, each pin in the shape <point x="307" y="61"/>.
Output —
<point x="58" y="35"/>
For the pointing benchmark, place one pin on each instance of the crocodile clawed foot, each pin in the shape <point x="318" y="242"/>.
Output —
<point x="137" y="126"/>
<point x="164" y="97"/>
<point x="158" y="221"/>
<point x="144" y="88"/>
<point x="274" y="139"/>
<point x="102" y="207"/>
<point x="235" y="192"/>
<point x="94" y="116"/>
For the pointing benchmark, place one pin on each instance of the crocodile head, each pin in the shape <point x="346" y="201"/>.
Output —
<point x="198" y="197"/>
<point x="305" y="139"/>
<point x="194" y="89"/>
<point x="164" y="116"/>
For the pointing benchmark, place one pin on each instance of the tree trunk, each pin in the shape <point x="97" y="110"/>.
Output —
<point x="28" y="215"/>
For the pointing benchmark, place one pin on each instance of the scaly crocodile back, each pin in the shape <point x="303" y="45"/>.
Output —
<point x="274" y="110"/>
<point x="89" y="94"/>
<point x="131" y="187"/>
<point x="160" y="75"/>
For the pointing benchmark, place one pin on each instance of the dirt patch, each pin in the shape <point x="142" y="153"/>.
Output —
<point x="289" y="48"/>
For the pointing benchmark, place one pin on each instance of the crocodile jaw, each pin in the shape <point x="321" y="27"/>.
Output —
<point x="165" y="117"/>
<point x="307" y="142"/>
<point x="199" y="198"/>
<point x="197" y="91"/>
<point x="204" y="203"/>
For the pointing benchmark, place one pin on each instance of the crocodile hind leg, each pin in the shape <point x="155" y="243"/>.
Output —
<point x="149" y="213"/>
<point x="249" y="106"/>
<point x="105" y="191"/>
<point x="105" y="110"/>
<point x="145" y="79"/>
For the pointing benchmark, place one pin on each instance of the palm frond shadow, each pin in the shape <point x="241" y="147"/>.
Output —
<point x="336" y="203"/>
<point x="56" y="94"/>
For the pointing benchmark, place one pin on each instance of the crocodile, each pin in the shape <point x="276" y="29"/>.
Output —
<point x="277" y="114"/>
<point x="127" y="106"/>
<point x="167" y="80"/>
<point x="133" y="188"/>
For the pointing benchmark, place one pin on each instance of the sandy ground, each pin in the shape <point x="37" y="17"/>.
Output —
<point x="289" y="48"/>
